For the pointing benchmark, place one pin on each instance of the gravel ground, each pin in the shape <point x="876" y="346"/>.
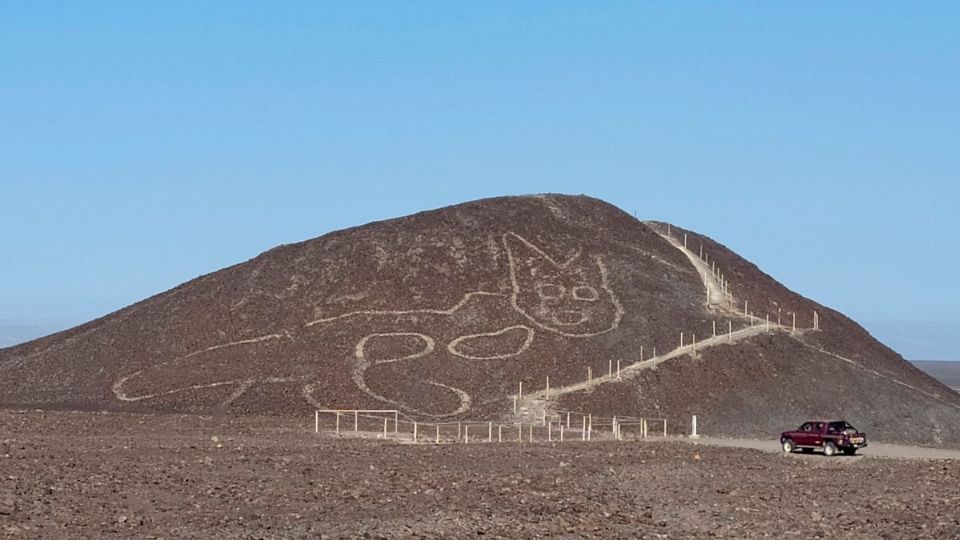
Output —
<point x="85" y="475"/>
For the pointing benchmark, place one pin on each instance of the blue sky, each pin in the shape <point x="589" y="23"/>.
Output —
<point x="145" y="143"/>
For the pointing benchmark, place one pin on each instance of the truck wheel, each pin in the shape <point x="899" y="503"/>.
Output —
<point x="829" y="449"/>
<point x="788" y="446"/>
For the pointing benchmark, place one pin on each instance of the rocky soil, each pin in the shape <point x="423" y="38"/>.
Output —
<point x="86" y="475"/>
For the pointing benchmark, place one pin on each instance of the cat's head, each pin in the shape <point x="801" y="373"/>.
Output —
<point x="571" y="298"/>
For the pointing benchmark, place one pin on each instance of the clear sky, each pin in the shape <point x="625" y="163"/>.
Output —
<point x="145" y="143"/>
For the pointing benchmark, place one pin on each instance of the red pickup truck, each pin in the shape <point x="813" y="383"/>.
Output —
<point x="829" y="436"/>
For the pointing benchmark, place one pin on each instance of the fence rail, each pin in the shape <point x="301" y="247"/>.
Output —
<point x="553" y="427"/>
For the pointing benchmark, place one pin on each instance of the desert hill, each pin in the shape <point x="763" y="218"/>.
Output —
<point x="442" y="314"/>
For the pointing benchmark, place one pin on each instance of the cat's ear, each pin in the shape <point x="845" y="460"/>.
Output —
<point x="528" y="259"/>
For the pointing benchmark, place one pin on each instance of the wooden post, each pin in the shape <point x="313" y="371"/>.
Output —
<point x="701" y="252"/>
<point x="794" y="327"/>
<point x="531" y="432"/>
<point x="561" y="432"/>
<point x="519" y="432"/>
<point x="668" y="229"/>
<point x="744" y="307"/>
<point x="684" y="239"/>
<point x="583" y="429"/>
<point x="778" y="316"/>
<point x="714" y="328"/>
<point x="654" y="353"/>
<point x="438" y="433"/>
<point x="384" y="428"/>
<point x="316" y="421"/>
<point x="610" y="367"/>
<point x="499" y="433"/>
<point x="568" y="419"/>
<point x="466" y="434"/>
<point x="396" y="421"/>
<point x="681" y="339"/>
<point x="356" y="421"/>
<point x="548" y="387"/>
<point x="589" y="375"/>
<point x="618" y="369"/>
<point x="414" y="431"/>
<point x="338" y="423"/>
<point x="643" y="428"/>
<point x="693" y="428"/>
<point x="729" y="330"/>
<point x="664" y="428"/>
<point x="589" y="426"/>
<point x="489" y="431"/>
<point x="458" y="431"/>
<point x="767" y="327"/>
<point x="641" y="353"/>
<point x="520" y="393"/>
<point x="613" y="427"/>
<point x="550" y="432"/>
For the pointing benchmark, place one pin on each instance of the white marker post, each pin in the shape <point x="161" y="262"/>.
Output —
<point x="693" y="428"/>
<point x="438" y="433"/>
<point x="414" y="432"/>
<point x="316" y="421"/>
<point x="618" y="369"/>
<point x="489" y="431"/>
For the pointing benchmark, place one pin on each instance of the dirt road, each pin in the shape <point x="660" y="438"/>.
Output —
<point x="874" y="449"/>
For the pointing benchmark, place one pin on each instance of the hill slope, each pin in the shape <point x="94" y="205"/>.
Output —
<point x="443" y="313"/>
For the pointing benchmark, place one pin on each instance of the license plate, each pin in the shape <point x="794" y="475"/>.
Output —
<point x="856" y="440"/>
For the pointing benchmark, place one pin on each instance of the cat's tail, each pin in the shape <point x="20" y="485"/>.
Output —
<point x="217" y="374"/>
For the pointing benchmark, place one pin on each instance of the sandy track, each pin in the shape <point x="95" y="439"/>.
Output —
<point x="875" y="449"/>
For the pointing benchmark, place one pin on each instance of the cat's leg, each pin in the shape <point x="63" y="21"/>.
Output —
<point x="397" y="368"/>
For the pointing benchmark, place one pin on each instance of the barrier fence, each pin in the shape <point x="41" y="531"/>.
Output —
<point x="553" y="427"/>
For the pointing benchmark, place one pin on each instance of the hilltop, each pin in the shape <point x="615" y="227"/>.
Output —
<point x="443" y="314"/>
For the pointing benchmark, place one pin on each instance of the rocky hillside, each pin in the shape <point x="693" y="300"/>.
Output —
<point x="443" y="314"/>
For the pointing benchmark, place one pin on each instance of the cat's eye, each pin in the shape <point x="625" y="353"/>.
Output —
<point x="550" y="291"/>
<point x="585" y="292"/>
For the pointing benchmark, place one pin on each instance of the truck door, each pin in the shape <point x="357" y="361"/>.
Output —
<point x="816" y="436"/>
